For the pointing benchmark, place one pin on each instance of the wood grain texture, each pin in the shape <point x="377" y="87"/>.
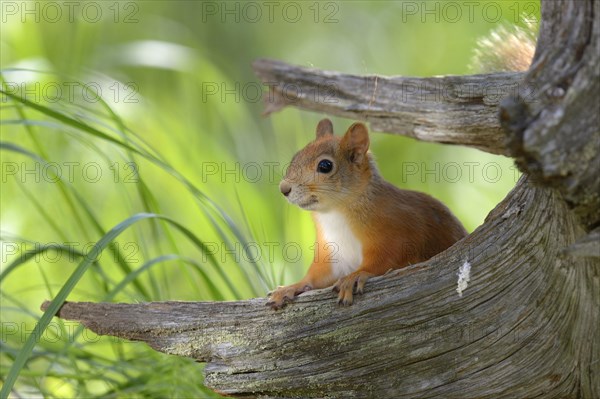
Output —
<point x="449" y="109"/>
<point x="527" y="324"/>
<point x="554" y="133"/>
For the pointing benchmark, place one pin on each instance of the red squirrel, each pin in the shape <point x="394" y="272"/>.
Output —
<point x="365" y="225"/>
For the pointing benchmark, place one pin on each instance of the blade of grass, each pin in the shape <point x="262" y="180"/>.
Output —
<point x="72" y="281"/>
<point x="68" y="120"/>
<point x="258" y="265"/>
<point x="60" y="298"/>
<point x="88" y="211"/>
<point x="31" y="254"/>
<point x="119" y="287"/>
<point x="198" y="194"/>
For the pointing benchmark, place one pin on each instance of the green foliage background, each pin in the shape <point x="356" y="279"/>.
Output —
<point x="176" y="130"/>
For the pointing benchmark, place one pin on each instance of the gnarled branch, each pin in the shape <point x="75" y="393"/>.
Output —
<point x="449" y="109"/>
<point x="556" y="137"/>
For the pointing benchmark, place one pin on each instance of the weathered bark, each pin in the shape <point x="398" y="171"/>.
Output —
<point x="556" y="137"/>
<point x="527" y="325"/>
<point x="449" y="109"/>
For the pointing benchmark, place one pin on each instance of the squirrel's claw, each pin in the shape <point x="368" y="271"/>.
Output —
<point x="346" y="286"/>
<point x="279" y="298"/>
<point x="283" y="295"/>
<point x="276" y="305"/>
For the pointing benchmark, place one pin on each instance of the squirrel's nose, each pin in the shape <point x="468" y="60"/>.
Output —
<point x="285" y="188"/>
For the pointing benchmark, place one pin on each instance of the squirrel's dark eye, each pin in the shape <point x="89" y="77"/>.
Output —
<point x="325" y="166"/>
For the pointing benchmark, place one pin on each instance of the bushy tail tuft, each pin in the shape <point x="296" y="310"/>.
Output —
<point x="507" y="48"/>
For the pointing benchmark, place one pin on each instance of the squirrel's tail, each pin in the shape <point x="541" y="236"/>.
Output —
<point x="507" y="48"/>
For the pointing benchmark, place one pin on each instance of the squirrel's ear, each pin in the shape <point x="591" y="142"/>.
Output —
<point x="324" y="128"/>
<point x="356" y="141"/>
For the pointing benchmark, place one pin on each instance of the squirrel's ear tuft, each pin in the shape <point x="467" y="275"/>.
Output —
<point x="324" y="128"/>
<point x="356" y="142"/>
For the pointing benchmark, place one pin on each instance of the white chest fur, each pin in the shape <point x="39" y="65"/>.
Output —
<point x="346" y="250"/>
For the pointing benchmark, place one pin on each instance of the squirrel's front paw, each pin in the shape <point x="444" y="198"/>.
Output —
<point x="286" y="294"/>
<point x="345" y="286"/>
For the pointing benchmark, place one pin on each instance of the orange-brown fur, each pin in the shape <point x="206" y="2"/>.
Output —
<point x="394" y="227"/>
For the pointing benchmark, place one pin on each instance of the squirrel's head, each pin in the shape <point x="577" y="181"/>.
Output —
<point x="330" y="171"/>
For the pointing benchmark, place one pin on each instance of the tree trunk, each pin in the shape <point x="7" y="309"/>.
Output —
<point x="527" y="323"/>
